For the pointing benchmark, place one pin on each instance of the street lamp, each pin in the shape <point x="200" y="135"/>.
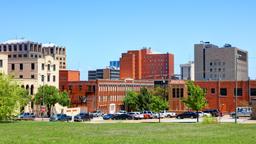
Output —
<point x="237" y="57"/>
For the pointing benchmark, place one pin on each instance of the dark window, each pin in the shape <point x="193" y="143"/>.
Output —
<point x="26" y="47"/>
<point x="42" y="78"/>
<point x="63" y="87"/>
<point x="54" y="67"/>
<point x="21" y="76"/>
<point x="173" y="92"/>
<point x="48" y="78"/>
<point x="70" y="88"/>
<point x="32" y="66"/>
<point x="9" y="56"/>
<point x="54" y="78"/>
<point x="223" y="91"/>
<point x="1" y="63"/>
<point x="14" y="56"/>
<point x="4" y="47"/>
<point x="13" y="66"/>
<point x="253" y="91"/>
<point x="80" y="87"/>
<point x="10" y="48"/>
<point x="20" y="55"/>
<point x="182" y="92"/>
<point x="20" y="48"/>
<point x="49" y="67"/>
<point x="51" y="50"/>
<point x="213" y="90"/>
<point x="25" y="55"/>
<point x="239" y="92"/>
<point x="42" y="66"/>
<point x="32" y="76"/>
<point x="15" y="47"/>
<point x="21" y="66"/>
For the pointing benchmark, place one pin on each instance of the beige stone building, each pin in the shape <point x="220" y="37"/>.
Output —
<point x="3" y="63"/>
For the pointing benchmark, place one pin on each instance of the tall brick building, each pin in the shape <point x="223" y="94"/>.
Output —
<point x="144" y="64"/>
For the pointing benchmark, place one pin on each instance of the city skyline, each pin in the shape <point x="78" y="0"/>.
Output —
<point x="95" y="33"/>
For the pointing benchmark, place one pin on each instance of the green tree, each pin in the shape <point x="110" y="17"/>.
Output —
<point x="131" y="101"/>
<point x="160" y="91"/>
<point x="12" y="97"/>
<point x="144" y="99"/>
<point x="158" y="104"/>
<point x="196" y="98"/>
<point x="49" y="96"/>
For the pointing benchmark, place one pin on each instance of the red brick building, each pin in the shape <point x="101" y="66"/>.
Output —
<point x="104" y="95"/>
<point x="219" y="94"/>
<point x="144" y="64"/>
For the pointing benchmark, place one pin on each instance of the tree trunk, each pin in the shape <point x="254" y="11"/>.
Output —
<point x="49" y="111"/>
<point x="159" y="117"/>
<point x="197" y="116"/>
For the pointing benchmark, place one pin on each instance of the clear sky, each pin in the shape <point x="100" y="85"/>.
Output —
<point x="97" y="31"/>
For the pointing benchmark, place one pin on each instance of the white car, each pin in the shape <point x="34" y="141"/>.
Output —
<point x="202" y="114"/>
<point x="138" y="116"/>
<point x="168" y="114"/>
<point x="156" y="115"/>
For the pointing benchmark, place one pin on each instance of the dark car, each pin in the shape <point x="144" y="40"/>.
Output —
<point x="60" y="117"/>
<point x="83" y="117"/>
<point x="108" y="116"/>
<point x="213" y="112"/>
<point x="122" y="117"/>
<point x="187" y="115"/>
<point x="26" y="116"/>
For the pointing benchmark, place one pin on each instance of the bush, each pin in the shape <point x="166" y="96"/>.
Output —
<point x="209" y="120"/>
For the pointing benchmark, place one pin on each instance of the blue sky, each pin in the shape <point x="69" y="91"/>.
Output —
<point x="97" y="31"/>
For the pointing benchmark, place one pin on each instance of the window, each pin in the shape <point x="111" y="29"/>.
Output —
<point x="42" y="78"/>
<point x="239" y="92"/>
<point x="4" y="47"/>
<point x="54" y="67"/>
<point x="9" y="56"/>
<point x="42" y="67"/>
<point x="20" y="55"/>
<point x="26" y="47"/>
<point x="21" y="76"/>
<point x="10" y="48"/>
<point x="25" y="55"/>
<point x="49" y="67"/>
<point x="253" y="91"/>
<point x="54" y="78"/>
<point x="20" y="48"/>
<point x="213" y="90"/>
<point x="21" y="66"/>
<point x="14" y="56"/>
<point x="223" y="91"/>
<point x="70" y="88"/>
<point x="32" y="76"/>
<point x="32" y="66"/>
<point x="15" y="48"/>
<point x="173" y="92"/>
<point x="48" y="78"/>
<point x="80" y="87"/>
<point x="1" y="63"/>
<point x="13" y="66"/>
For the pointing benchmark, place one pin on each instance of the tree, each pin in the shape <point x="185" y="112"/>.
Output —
<point x="49" y="96"/>
<point x="131" y="101"/>
<point x="144" y="99"/>
<point x="196" y="98"/>
<point x="158" y="104"/>
<point x="160" y="91"/>
<point x="12" y="97"/>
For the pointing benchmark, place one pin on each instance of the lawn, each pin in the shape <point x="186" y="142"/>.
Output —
<point x="121" y="133"/>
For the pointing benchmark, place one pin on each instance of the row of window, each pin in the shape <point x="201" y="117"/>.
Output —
<point x="24" y="56"/>
<point x="19" y="47"/>
<point x="48" y="78"/>
<point x="177" y="92"/>
<point x="33" y="66"/>
<point x="224" y="91"/>
<point x="111" y="98"/>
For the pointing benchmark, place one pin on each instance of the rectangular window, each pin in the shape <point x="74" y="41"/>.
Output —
<point x="173" y="92"/>
<point x="25" y="55"/>
<point x="54" y="78"/>
<point x="20" y="48"/>
<point x="70" y="88"/>
<point x="54" y="67"/>
<point x="1" y="63"/>
<point x="32" y="76"/>
<point x="20" y="55"/>
<point x="223" y="91"/>
<point x="48" y="78"/>
<point x="14" y="56"/>
<point x="253" y="91"/>
<point x="32" y="66"/>
<point x="21" y="66"/>
<point x="13" y="66"/>
<point x="10" y="48"/>
<point x="49" y="67"/>
<point x="80" y="87"/>
<point x="42" y="67"/>
<point x="213" y="90"/>
<point x="21" y="76"/>
<point x="15" y="47"/>
<point x="26" y="47"/>
<point x="42" y="78"/>
<point x="239" y="92"/>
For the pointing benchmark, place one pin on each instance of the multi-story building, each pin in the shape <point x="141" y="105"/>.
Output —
<point x="115" y="64"/>
<point x="187" y="71"/>
<point x="225" y="63"/>
<point x="57" y="52"/>
<point x="104" y="95"/>
<point x="3" y="64"/>
<point x="110" y="73"/>
<point x="144" y="64"/>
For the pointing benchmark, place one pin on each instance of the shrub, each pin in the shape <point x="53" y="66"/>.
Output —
<point x="209" y="120"/>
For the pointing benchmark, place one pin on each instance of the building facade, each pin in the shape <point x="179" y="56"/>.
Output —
<point x="224" y="63"/>
<point x="187" y="71"/>
<point x="110" y="73"/>
<point x="144" y="64"/>
<point x="115" y="64"/>
<point x="3" y="64"/>
<point x="104" y="95"/>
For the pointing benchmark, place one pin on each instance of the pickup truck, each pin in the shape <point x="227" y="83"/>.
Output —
<point x="242" y="112"/>
<point x="168" y="114"/>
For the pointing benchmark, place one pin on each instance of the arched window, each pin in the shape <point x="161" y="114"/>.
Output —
<point x="27" y="87"/>
<point x="32" y="90"/>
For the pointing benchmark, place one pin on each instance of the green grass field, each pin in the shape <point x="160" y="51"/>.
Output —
<point x="121" y="133"/>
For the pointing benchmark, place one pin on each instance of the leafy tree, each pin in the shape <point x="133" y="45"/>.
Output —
<point x="158" y="104"/>
<point x="131" y="101"/>
<point x="144" y="99"/>
<point x="49" y="96"/>
<point x="12" y="97"/>
<point x="196" y="99"/>
<point x="160" y="91"/>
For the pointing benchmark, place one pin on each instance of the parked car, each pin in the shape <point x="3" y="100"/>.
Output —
<point x="148" y="114"/>
<point x="122" y="117"/>
<point x="138" y="115"/>
<point x="168" y="114"/>
<point x="108" y="116"/>
<point x="242" y="112"/>
<point x="26" y="116"/>
<point x="97" y="113"/>
<point x="60" y="117"/>
<point x="121" y="112"/>
<point x="83" y="117"/>
<point x="186" y="115"/>
<point x="156" y="115"/>
<point x="213" y="112"/>
<point x="202" y="114"/>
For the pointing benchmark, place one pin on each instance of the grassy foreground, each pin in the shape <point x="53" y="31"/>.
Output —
<point x="76" y="133"/>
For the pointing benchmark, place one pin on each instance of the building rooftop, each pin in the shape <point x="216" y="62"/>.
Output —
<point x="15" y="41"/>
<point x="49" y="45"/>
